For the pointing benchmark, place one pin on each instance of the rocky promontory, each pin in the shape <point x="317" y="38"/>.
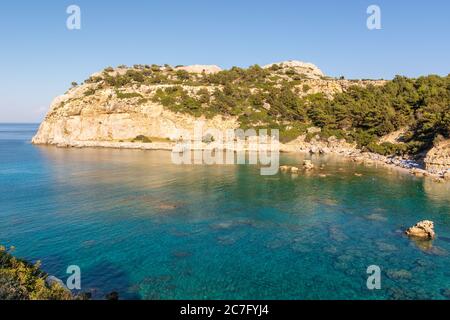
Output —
<point x="153" y="107"/>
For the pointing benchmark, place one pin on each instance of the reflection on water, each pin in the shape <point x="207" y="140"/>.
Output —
<point x="140" y="225"/>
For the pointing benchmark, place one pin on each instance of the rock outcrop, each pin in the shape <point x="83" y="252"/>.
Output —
<point x="423" y="230"/>
<point x="437" y="159"/>
<point x="77" y="119"/>
<point x="198" y="68"/>
<point x="308" y="165"/>
<point x="305" y="68"/>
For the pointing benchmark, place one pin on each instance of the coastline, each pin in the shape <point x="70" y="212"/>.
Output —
<point x="340" y="148"/>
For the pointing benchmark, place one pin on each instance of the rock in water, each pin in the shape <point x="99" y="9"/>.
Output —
<point x="308" y="165"/>
<point x="295" y="170"/>
<point x="446" y="175"/>
<point x="423" y="229"/>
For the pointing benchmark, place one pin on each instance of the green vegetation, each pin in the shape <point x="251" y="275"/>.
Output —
<point x="20" y="280"/>
<point x="142" y="138"/>
<point x="89" y="92"/>
<point x="128" y="95"/>
<point x="278" y="98"/>
<point x="422" y="104"/>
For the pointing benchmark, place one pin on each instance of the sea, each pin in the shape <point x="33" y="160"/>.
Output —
<point x="139" y="225"/>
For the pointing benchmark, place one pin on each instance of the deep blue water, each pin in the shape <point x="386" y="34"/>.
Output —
<point x="139" y="225"/>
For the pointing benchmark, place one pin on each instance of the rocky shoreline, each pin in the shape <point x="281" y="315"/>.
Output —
<point x="332" y="147"/>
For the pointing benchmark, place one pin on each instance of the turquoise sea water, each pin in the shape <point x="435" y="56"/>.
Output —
<point x="139" y="225"/>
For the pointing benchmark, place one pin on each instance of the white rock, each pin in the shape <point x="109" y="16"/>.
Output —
<point x="423" y="229"/>
<point x="198" y="68"/>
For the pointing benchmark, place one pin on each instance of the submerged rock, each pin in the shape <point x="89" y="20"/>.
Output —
<point x="336" y="234"/>
<point x="437" y="251"/>
<point x="386" y="247"/>
<point x="402" y="294"/>
<point x="399" y="274"/>
<point x="376" y="217"/>
<point x="423" y="229"/>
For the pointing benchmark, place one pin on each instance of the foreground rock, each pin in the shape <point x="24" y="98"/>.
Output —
<point x="423" y="230"/>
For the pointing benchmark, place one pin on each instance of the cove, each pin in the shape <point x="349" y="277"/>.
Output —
<point x="137" y="224"/>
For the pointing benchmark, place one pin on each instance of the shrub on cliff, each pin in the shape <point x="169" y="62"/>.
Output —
<point x="387" y="148"/>
<point x="128" y="95"/>
<point x="142" y="138"/>
<point x="182" y="75"/>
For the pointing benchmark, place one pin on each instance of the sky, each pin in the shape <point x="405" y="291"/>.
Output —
<point x="40" y="56"/>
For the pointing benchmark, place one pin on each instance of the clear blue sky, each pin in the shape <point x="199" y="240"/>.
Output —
<point x="40" y="57"/>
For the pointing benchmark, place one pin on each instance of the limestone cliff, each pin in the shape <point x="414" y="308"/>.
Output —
<point x="76" y="118"/>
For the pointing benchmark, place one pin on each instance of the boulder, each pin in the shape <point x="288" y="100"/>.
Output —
<point x="52" y="280"/>
<point x="446" y="175"/>
<point x="423" y="229"/>
<point x="437" y="159"/>
<point x="295" y="169"/>
<point x="313" y="130"/>
<point x="308" y="165"/>
<point x="314" y="150"/>
<point x="418" y="172"/>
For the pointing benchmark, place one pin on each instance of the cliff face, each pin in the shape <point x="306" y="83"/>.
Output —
<point x="75" y="118"/>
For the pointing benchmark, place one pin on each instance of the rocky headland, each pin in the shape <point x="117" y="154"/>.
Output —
<point x="154" y="107"/>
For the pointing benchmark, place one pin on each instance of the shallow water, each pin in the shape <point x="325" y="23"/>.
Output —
<point x="139" y="225"/>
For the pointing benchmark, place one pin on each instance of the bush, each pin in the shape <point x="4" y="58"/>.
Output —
<point x="182" y="75"/>
<point x="387" y="148"/>
<point x="306" y="88"/>
<point x="89" y="92"/>
<point x="20" y="280"/>
<point x="142" y="138"/>
<point x="128" y="95"/>
<point x="209" y="138"/>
